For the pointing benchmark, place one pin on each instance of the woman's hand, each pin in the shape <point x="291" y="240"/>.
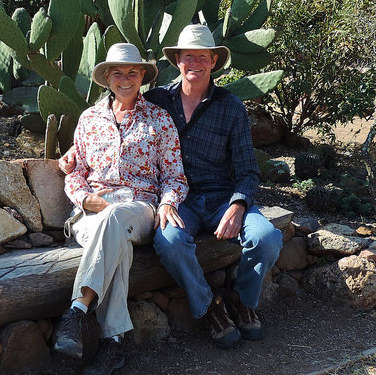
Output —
<point x="68" y="161"/>
<point x="95" y="202"/>
<point x="167" y="213"/>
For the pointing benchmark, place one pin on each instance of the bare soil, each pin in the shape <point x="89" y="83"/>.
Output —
<point x="303" y="334"/>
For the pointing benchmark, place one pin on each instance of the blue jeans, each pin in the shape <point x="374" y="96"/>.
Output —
<point x="260" y="240"/>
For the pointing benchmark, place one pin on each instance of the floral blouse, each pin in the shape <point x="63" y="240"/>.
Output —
<point x="143" y="154"/>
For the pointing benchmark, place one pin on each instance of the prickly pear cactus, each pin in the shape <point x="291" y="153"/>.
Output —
<point x="307" y="165"/>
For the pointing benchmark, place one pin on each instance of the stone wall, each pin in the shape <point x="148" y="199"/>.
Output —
<point x="37" y="267"/>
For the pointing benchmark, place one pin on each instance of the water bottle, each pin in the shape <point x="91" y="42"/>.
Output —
<point x="119" y="196"/>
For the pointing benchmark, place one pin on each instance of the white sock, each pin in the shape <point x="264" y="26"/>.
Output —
<point x="117" y="337"/>
<point x="79" y="305"/>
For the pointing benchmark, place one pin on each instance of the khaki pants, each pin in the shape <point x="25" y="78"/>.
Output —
<point x="107" y="238"/>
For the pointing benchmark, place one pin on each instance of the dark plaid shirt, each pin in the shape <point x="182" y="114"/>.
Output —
<point x="217" y="150"/>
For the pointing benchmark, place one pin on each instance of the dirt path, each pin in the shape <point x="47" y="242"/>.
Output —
<point x="302" y="335"/>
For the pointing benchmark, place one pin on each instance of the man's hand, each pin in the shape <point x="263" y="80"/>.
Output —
<point x="95" y="203"/>
<point x="167" y="213"/>
<point x="231" y="222"/>
<point x="68" y="161"/>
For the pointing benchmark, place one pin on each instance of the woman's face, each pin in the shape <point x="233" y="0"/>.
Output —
<point x="125" y="81"/>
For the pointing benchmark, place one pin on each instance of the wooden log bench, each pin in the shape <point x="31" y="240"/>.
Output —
<point x="37" y="283"/>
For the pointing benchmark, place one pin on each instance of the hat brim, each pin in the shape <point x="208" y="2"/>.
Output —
<point x="222" y="52"/>
<point x="151" y="71"/>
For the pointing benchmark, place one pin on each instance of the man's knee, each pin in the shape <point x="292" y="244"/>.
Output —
<point x="170" y="240"/>
<point x="268" y="238"/>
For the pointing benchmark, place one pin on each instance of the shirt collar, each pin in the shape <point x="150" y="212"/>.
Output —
<point x="104" y="104"/>
<point x="176" y="88"/>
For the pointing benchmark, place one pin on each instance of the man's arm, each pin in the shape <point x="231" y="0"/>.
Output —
<point x="68" y="161"/>
<point x="245" y="171"/>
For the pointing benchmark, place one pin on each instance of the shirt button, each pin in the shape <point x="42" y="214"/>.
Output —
<point x="186" y="156"/>
<point x="188" y="136"/>
<point x="181" y="115"/>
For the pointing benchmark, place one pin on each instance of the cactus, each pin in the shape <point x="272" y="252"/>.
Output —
<point x="72" y="54"/>
<point x="307" y="165"/>
<point x="51" y="137"/>
<point x="40" y="30"/>
<point x="67" y="87"/>
<point x="65" y="132"/>
<point x="327" y="155"/>
<point x="251" y="41"/>
<point x="65" y="16"/>
<point x="51" y="101"/>
<point x="58" y="34"/>
<point x="256" y="85"/>
<point x="111" y="36"/>
<point x="34" y="123"/>
<point x="239" y="12"/>
<point x="319" y="199"/>
<point x="5" y="68"/>
<point x="122" y="13"/>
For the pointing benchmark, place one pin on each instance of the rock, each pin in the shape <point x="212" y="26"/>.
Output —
<point x="288" y="286"/>
<point x="351" y="280"/>
<point x="366" y="231"/>
<point x="269" y="292"/>
<point x="288" y="232"/>
<point x="296" y="274"/>
<point x="161" y="300"/>
<point x="15" y="193"/>
<point x="46" y="182"/>
<point x="2" y="250"/>
<point x="179" y="314"/>
<point x="368" y="254"/>
<point x="40" y="239"/>
<point x="216" y="279"/>
<point x="262" y="157"/>
<point x="149" y="321"/>
<point x="278" y="216"/>
<point x="46" y="328"/>
<point x="143" y="296"/>
<point x="345" y="230"/>
<point x="293" y="255"/>
<point x="335" y="239"/>
<point x="10" y="228"/>
<point x="14" y="213"/>
<point x="24" y="347"/>
<point x="22" y="242"/>
<point x="305" y="225"/>
<point x="174" y="292"/>
<point x="231" y="272"/>
<point x="264" y="130"/>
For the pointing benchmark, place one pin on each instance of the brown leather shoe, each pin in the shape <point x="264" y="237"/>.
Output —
<point x="222" y="328"/>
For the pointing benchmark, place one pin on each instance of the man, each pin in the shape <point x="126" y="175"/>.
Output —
<point x="222" y="175"/>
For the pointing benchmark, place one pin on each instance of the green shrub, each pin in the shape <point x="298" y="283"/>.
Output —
<point x="319" y="49"/>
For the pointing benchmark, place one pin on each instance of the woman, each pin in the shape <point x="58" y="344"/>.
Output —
<point x="128" y="161"/>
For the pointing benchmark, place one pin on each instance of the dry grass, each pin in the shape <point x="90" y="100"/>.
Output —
<point x="362" y="366"/>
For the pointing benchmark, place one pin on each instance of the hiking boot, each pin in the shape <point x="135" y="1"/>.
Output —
<point x="245" y="318"/>
<point x="69" y="333"/>
<point x="110" y="356"/>
<point x="222" y="328"/>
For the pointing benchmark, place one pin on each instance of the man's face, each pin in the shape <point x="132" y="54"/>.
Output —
<point x="196" y="64"/>
<point x="125" y="81"/>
